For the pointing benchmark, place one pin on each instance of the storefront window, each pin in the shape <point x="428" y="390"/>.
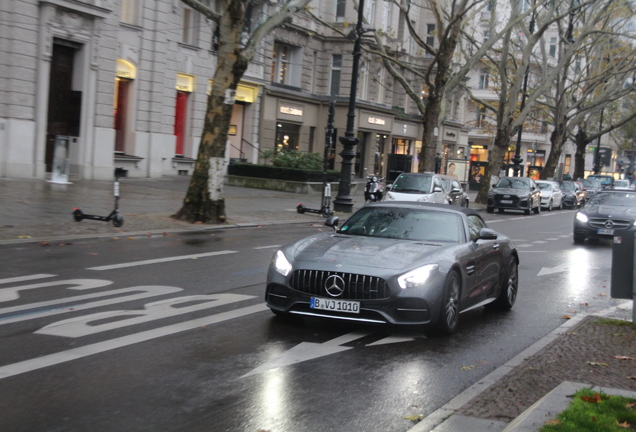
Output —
<point x="478" y="153"/>
<point x="287" y="136"/>
<point x="401" y="146"/>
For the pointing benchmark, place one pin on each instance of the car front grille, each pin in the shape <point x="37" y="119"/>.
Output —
<point x="356" y="287"/>
<point x="618" y="224"/>
<point x="513" y="198"/>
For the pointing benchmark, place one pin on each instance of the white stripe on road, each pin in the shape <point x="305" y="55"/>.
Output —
<point x="267" y="247"/>
<point x="539" y="242"/>
<point x="25" y="278"/>
<point x="100" y="347"/>
<point x="160" y="260"/>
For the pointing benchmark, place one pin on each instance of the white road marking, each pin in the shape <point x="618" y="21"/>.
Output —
<point x="308" y="351"/>
<point x="539" y="241"/>
<point x="525" y="245"/>
<point x="533" y="251"/>
<point x="552" y="238"/>
<point x="565" y="236"/>
<point x="268" y="247"/>
<point x="148" y="291"/>
<point x="550" y="270"/>
<point x="89" y="324"/>
<point x="100" y="347"/>
<point x="9" y="294"/>
<point x="496" y="220"/>
<point x="393" y="339"/>
<point x="161" y="260"/>
<point x="25" y="278"/>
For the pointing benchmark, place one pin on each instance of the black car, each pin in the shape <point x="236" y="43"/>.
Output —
<point x="605" y="215"/>
<point x="514" y="193"/>
<point x="404" y="263"/>
<point x="573" y="195"/>
<point x="606" y="181"/>
<point x="591" y="187"/>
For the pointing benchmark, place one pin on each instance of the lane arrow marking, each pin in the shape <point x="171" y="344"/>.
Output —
<point x="551" y="270"/>
<point x="308" y="351"/>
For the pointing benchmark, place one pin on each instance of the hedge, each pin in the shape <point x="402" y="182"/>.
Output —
<point x="278" y="173"/>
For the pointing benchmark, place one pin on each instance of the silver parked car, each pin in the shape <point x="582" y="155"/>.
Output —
<point x="424" y="187"/>
<point x="399" y="263"/>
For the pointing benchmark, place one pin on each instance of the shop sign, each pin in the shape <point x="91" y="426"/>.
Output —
<point x="290" y="111"/>
<point x="377" y="121"/>
<point x="125" y="69"/>
<point x="185" y="83"/>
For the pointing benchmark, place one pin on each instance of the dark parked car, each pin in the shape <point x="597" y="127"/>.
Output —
<point x="454" y="191"/>
<point x="514" y="193"/>
<point x="573" y="194"/>
<point x="607" y="181"/>
<point x="605" y="215"/>
<point x="396" y="262"/>
<point x="591" y="187"/>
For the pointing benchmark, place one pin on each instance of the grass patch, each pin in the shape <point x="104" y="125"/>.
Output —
<point x="615" y="322"/>
<point x="595" y="412"/>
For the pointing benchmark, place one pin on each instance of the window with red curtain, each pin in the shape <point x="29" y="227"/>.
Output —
<point x="120" y="114"/>
<point x="179" y="120"/>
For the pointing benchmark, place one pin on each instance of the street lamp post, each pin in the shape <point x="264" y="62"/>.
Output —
<point x="343" y="201"/>
<point x="597" y="150"/>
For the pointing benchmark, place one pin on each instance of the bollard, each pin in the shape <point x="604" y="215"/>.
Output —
<point x="623" y="268"/>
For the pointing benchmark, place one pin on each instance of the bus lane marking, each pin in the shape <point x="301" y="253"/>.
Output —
<point x="25" y="278"/>
<point x="100" y="347"/>
<point x="10" y="294"/>
<point x="31" y="313"/>
<point x="89" y="324"/>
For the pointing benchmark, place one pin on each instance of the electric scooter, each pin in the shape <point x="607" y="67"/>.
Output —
<point x="325" y="209"/>
<point x="114" y="216"/>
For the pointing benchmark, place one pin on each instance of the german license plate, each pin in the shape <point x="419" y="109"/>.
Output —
<point x="335" y="305"/>
<point x="506" y="201"/>
<point x="606" y="231"/>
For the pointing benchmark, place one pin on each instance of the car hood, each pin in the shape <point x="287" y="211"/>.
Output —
<point x="365" y="251"/>
<point x="611" y="211"/>
<point x="547" y="193"/>
<point x="510" y="191"/>
<point x="407" y="196"/>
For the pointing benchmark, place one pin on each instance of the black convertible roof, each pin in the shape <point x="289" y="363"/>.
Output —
<point x="435" y="206"/>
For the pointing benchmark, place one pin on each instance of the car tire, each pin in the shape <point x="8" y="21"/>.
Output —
<point x="560" y="205"/>
<point x="578" y="238"/>
<point x="510" y="287"/>
<point x="537" y="209"/>
<point x="526" y="212"/>
<point x="490" y="209"/>
<point x="449" y="315"/>
<point x="549" y="207"/>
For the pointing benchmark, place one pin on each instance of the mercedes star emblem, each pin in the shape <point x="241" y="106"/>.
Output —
<point x="334" y="285"/>
<point x="609" y="224"/>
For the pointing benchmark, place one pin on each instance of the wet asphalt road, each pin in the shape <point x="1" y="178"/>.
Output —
<point x="197" y="351"/>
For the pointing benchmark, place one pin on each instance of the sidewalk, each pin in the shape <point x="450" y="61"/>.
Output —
<point x="583" y="350"/>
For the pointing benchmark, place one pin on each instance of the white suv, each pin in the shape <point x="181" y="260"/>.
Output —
<point x="425" y="187"/>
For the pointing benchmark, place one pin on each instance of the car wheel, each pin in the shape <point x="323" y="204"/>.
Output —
<point x="449" y="315"/>
<point x="537" y="209"/>
<point x="549" y="208"/>
<point x="526" y="211"/>
<point x="508" y="294"/>
<point x="579" y="239"/>
<point x="561" y="205"/>
<point x="490" y="209"/>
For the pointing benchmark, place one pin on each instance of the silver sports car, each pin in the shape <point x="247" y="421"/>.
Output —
<point x="399" y="263"/>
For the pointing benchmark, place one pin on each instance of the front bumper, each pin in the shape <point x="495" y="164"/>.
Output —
<point x="412" y="306"/>
<point x="596" y="231"/>
<point x="511" y="203"/>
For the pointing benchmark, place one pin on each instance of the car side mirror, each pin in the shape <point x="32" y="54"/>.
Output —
<point x="494" y="186"/>
<point x="332" y="222"/>
<point x="437" y="189"/>
<point x="487" y="234"/>
<point x="456" y="190"/>
<point x="388" y="186"/>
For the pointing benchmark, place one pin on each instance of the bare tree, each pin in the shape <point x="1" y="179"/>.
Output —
<point x="204" y="200"/>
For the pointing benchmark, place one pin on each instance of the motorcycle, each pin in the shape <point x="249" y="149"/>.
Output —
<point x="374" y="189"/>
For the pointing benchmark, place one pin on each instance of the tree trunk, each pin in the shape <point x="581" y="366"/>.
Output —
<point x="429" y="144"/>
<point x="204" y="201"/>
<point x="495" y="162"/>
<point x="579" y="157"/>
<point x="557" y="140"/>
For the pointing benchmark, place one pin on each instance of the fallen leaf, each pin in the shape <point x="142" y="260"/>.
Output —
<point x="148" y="235"/>
<point x="131" y="238"/>
<point x="597" y="364"/>
<point x="552" y="422"/>
<point x="93" y="253"/>
<point x="44" y="243"/>
<point x="165" y="234"/>
<point x="623" y="425"/>
<point x="631" y="405"/>
<point x="115" y="238"/>
<point x="595" y="399"/>
<point x="624" y="358"/>
<point x="584" y="304"/>
<point x="415" y="418"/>
<point x="566" y="317"/>
<point x="465" y="368"/>
<point x="24" y="237"/>
<point x="602" y="294"/>
<point x="631" y="377"/>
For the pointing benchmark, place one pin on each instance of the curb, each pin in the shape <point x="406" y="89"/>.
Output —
<point x="442" y="414"/>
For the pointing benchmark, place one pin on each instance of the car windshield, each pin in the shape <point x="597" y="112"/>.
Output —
<point x="603" y="180"/>
<point x="545" y="186"/>
<point x="412" y="184"/>
<point x="591" y="183"/>
<point x="567" y="186"/>
<point x="512" y="184"/>
<point x="614" y="199"/>
<point x="621" y="183"/>
<point x="407" y="224"/>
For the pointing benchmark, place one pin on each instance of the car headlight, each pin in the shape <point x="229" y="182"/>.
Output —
<point x="390" y="196"/>
<point x="581" y="217"/>
<point x="281" y="264"/>
<point x="417" y="277"/>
